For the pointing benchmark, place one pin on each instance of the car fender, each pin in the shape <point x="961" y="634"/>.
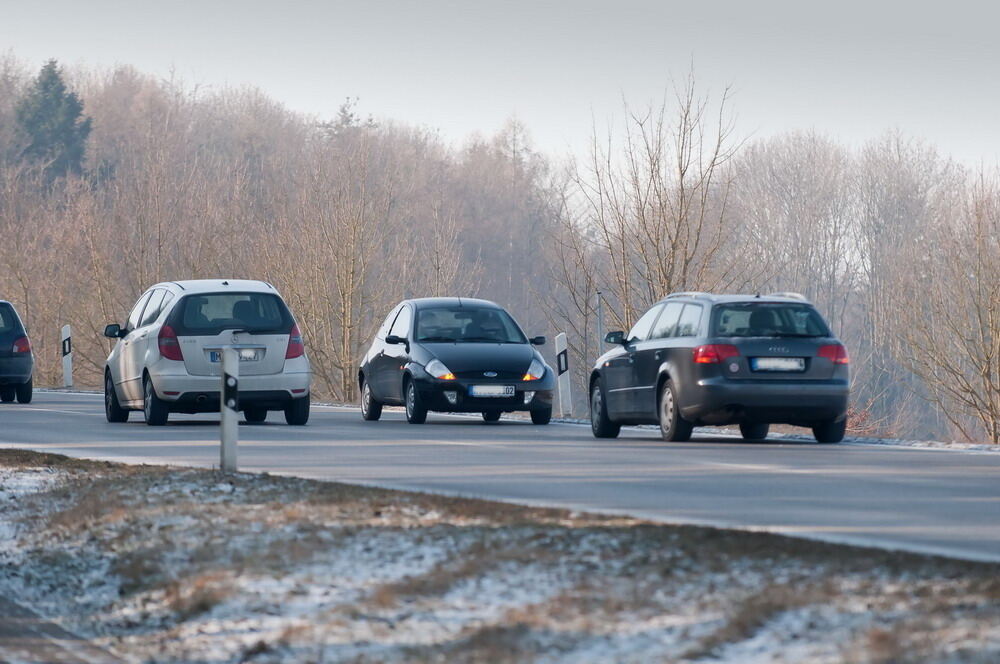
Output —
<point x="667" y="371"/>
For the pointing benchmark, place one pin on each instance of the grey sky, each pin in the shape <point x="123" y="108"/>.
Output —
<point x="848" y="69"/>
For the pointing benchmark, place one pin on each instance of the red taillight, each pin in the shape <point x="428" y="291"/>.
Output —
<point x="295" y="346"/>
<point x="22" y="345"/>
<point x="835" y="353"/>
<point x="170" y="347"/>
<point x="715" y="353"/>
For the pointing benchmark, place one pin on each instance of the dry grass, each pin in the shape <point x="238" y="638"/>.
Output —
<point x="191" y="597"/>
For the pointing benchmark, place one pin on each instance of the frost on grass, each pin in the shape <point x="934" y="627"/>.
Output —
<point x="180" y="565"/>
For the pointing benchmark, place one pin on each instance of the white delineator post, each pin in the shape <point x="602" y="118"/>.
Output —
<point x="67" y="356"/>
<point x="229" y="404"/>
<point x="562" y="376"/>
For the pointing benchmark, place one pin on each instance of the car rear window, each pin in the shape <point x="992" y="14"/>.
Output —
<point x="768" y="319"/>
<point x="211" y="313"/>
<point x="8" y="321"/>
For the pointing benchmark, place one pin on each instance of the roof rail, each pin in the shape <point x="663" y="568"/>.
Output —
<point x="178" y="285"/>
<point x="688" y="294"/>
<point x="790" y="295"/>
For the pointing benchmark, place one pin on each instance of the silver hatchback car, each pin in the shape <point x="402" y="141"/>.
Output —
<point x="167" y="358"/>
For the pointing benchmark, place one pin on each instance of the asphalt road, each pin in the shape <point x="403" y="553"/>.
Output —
<point x="933" y="501"/>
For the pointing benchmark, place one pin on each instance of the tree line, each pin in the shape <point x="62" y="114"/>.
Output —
<point x="113" y="180"/>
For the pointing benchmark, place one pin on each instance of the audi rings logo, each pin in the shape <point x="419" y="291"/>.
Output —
<point x="490" y="374"/>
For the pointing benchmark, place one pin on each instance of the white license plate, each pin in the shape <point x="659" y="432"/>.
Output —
<point x="491" y="390"/>
<point x="778" y="364"/>
<point x="246" y="355"/>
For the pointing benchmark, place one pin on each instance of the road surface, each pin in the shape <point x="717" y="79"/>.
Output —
<point x="933" y="501"/>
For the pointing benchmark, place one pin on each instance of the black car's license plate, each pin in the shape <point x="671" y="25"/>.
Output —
<point x="492" y="390"/>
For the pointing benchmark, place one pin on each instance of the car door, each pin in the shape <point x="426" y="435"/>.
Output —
<point x="396" y="356"/>
<point x="145" y="332"/>
<point x="619" y="372"/>
<point x="130" y="374"/>
<point x="649" y="356"/>
<point x="375" y="371"/>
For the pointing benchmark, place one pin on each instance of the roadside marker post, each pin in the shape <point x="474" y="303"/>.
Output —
<point x="563" y="378"/>
<point x="67" y="356"/>
<point x="229" y="404"/>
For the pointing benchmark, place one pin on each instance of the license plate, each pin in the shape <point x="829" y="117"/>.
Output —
<point x="492" y="390"/>
<point x="246" y="355"/>
<point x="778" y="364"/>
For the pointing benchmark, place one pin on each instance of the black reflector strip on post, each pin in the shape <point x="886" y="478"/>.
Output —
<point x="230" y="393"/>
<point x="562" y="362"/>
<point x="67" y="346"/>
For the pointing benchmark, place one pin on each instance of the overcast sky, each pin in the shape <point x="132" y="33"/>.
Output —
<point x="848" y="69"/>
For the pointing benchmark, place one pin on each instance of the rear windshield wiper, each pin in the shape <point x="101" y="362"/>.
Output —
<point x="796" y="335"/>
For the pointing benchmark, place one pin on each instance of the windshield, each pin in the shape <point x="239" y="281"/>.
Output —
<point x="210" y="314"/>
<point x="455" y="324"/>
<point x="768" y="319"/>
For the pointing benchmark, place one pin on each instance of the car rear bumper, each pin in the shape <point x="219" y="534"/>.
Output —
<point x="16" y="370"/>
<point x="720" y="400"/>
<point x="201" y="393"/>
<point x="432" y="395"/>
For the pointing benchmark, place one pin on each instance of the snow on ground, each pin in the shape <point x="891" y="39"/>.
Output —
<point x="180" y="565"/>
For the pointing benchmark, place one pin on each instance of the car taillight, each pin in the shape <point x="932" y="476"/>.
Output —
<point x="295" y="346"/>
<point x="835" y="353"/>
<point x="170" y="347"/>
<point x="715" y="353"/>
<point x="22" y="345"/>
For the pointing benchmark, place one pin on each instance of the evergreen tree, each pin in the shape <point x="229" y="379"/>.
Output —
<point x="51" y="119"/>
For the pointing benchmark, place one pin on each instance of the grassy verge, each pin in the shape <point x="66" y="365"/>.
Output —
<point x="185" y="565"/>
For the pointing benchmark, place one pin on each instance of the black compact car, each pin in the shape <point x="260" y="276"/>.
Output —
<point x="454" y="355"/>
<point x="16" y="361"/>
<point x="699" y="359"/>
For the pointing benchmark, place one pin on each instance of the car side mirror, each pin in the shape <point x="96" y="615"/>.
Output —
<point x="537" y="341"/>
<point x="395" y="340"/>
<point x="617" y="337"/>
<point x="113" y="331"/>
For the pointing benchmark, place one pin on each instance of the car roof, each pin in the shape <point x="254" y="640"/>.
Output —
<point x="425" y="302"/>
<point x="790" y="298"/>
<point x="195" y="286"/>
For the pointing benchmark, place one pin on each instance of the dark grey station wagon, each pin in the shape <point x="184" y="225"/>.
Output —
<point x="700" y="359"/>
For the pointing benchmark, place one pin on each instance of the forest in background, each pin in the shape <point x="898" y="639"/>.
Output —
<point x="112" y="180"/>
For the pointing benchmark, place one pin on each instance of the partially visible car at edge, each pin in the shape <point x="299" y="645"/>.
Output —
<point x="17" y="362"/>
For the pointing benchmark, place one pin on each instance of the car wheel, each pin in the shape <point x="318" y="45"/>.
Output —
<point x="297" y="412"/>
<point x="416" y="413"/>
<point x="600" y="423"/>
<point x="371" y="408"/>
<point x="491" y="415"/>
<point x="7" y="394"/>
<point x="830" y="432"/>
<point x="113" y="410"/>
<point x="24" y="391"/>
<point x="754" y="430"/>
<point x="673" y="427"/>
<point x="153" y="407"/>
<point x="541" y="416"/>
<point x="255" y="415"/>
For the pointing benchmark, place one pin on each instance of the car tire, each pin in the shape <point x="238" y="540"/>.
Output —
<point x="491" y="415"/>
<point x="755" y="431"/>
<point x="24" y="391"/>
<point x="113" y="410"/>
<point x="541" y="416"/>
<point x="7" y="394"/>
<point x="371" y="408"/>
<point x="297" y="412"/>
<point x="416" y="412"/>
<point x="154" y="408"/>
<point x="830" y="432"/>
<point x="673" y="427"/>
<point x="600" y="424"/>
<point x="255" y="415"/>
